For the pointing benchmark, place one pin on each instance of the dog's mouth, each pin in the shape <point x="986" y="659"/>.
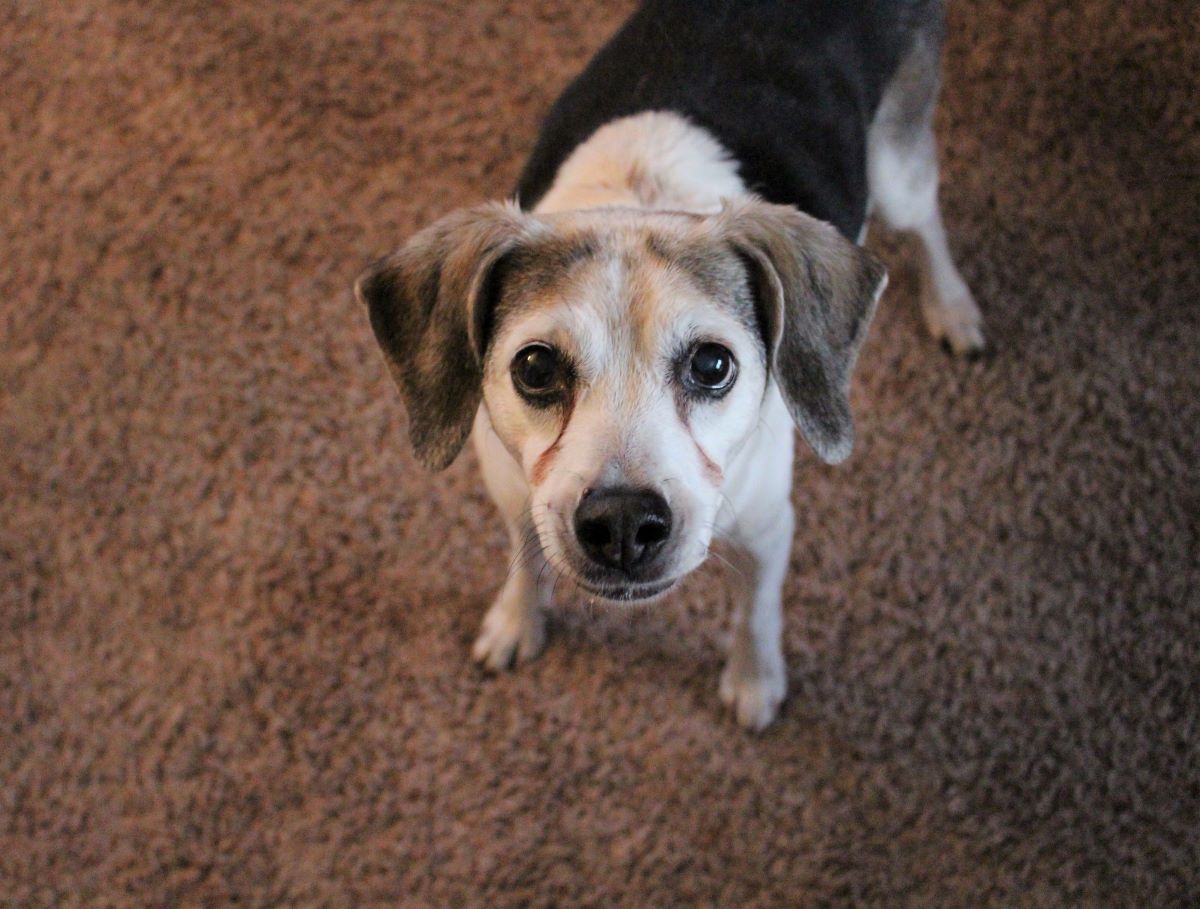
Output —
<point x="627" y="593"/>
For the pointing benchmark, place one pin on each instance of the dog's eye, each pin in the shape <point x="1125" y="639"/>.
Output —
<point x="539" y="373"/>
<point x="712" y="368"/>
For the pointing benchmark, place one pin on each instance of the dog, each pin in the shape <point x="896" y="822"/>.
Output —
<point x="676" y="285"/>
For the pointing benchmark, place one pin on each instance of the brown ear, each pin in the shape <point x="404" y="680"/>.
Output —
<point x="431" y="305"/>
<point x="815" y="293"/>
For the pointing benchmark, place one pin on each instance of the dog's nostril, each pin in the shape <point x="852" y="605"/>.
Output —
<point x="594" y="533"/>
<point x="652" y="532"/>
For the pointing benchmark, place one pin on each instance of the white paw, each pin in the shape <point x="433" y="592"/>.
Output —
<point x="956" y="322"/>
<point x="753" y="692"/>
<point x="509" y="636"/>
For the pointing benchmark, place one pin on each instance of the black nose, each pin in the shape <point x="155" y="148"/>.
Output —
<point x="622" y="528"/>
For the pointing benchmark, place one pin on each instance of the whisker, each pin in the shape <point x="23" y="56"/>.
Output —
<point x="732" y="567"/>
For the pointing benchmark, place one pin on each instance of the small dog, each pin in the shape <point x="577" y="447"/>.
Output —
<point x="630" y="343"/>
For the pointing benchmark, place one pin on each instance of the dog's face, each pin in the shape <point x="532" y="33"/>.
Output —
<point x="625" y="369"/>
<point x="623" y="358"/>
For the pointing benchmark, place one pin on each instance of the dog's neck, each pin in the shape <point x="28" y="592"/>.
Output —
<point x="656" y="161"/>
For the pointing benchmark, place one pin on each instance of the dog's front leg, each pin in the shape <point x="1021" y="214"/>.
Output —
<point x="514" y="628"/>
<point x="754" y="681"/>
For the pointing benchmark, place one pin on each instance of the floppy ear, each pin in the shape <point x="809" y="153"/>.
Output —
<point x="431" y="305"/>
<point x="815" y="293"/>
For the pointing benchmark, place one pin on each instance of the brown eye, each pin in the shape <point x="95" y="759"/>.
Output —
<point x="712" y="368"/>
<point x="539" y="374"/>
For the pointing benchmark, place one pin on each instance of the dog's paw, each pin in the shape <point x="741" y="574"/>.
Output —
<point x="957" y="323"/>
<point x="753" y="692"/>
<point x="509" y="636"/>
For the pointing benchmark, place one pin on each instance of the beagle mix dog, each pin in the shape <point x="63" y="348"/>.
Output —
<point x="677" y="285"/>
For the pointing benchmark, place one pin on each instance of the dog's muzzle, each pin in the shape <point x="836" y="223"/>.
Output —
<point x="623" y="533"/>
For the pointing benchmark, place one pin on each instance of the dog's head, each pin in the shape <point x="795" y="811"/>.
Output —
<point x="623" y="358"/>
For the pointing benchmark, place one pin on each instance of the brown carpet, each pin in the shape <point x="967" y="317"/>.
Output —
<point x="236" y="617"/>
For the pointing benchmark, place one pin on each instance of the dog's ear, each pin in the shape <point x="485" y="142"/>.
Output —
<point x="814" y="294"/>
<point x="431" y="305"/>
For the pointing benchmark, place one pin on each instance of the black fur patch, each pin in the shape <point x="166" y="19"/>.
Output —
<point x="789" y="87"/>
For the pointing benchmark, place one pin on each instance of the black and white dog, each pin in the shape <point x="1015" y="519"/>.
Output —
<point x="678" y="284"/>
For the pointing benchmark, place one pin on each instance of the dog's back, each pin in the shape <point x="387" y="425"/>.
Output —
<point x="789" y="87"/>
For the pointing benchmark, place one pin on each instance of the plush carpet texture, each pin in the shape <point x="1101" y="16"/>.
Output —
<point x="236" y="616"/>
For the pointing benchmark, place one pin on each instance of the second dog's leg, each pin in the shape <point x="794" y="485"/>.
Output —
<point x="754" y="681"/>
<point x="514" y="628"/>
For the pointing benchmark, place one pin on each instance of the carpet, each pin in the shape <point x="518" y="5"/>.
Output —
<point x="235" y="615"/>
